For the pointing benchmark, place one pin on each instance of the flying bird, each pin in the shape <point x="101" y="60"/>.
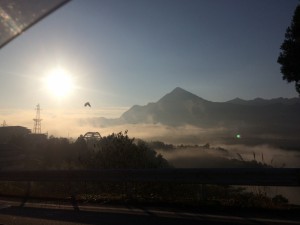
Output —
<point x="87" y="104"/>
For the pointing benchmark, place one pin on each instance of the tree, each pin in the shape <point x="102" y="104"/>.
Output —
<point x="289" y="57"/>
<point x="118" y="151"/>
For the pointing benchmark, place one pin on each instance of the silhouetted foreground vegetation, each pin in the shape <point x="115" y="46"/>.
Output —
<point x="290" y="52"/>
<point x="146" y="193"/>
<point x="109" y="152"/>
<point x="118" y="151"/>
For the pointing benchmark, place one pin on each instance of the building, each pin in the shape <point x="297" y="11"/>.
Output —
<point x="7" y="132"/>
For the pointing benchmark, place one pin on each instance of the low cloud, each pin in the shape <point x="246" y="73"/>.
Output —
<point x="268" y="154"/>
<point x="62" y="123"/>
<point x="72" y="123"/>
<point x="68" y="123"/>
<point x="231" y="156"/>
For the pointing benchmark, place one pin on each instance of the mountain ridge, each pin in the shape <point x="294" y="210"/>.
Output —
<point x="181" y="93"/>
<point x="180" y="107"/>
<point x="262" y="101"/>
<point x="257" y="121"/>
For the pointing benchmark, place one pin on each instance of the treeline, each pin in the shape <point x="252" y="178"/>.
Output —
<point x="160" y="145"/>
<point x="116" y="150"/>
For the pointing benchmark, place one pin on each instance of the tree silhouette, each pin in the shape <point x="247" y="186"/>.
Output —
<point x="289" y="57"/>
<point x="120" y="151"/>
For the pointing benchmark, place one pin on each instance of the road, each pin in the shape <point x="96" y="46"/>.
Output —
<point x="14" y="213"/>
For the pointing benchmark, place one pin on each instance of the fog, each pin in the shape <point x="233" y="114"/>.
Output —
<point x="69" y="123"/>
<point x="231" y="156"/>
<point x="225" y="149"/>
<point x="72" y="123"/>
<point x="237" y="156"/>
<point x="59" y="122"/>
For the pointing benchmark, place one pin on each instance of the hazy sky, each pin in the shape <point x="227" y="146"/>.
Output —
<point x="122" y="53"/>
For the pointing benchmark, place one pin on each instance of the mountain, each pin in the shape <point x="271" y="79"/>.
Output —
<point x="261" y="101"/>
<point x="180" y="107"/>
<point x="176" y="108"/>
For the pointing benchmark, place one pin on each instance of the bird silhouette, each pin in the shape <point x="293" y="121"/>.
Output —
<point x="87" y="104"/>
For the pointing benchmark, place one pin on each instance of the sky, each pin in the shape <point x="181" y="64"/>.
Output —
<point x="122" y="53"/>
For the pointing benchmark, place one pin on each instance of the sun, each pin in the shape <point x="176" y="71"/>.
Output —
<point x="59" y="82"/>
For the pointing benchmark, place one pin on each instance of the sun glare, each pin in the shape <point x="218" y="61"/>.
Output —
<point x="59" y="82"/>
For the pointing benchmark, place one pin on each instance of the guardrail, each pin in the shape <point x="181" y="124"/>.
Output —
<point x="228" y="176"/>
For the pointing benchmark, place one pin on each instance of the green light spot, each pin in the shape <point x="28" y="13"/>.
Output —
<point x="238" y="136"/>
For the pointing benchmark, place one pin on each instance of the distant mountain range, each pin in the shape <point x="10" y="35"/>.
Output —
<point x="279" y="117"/>
<point x="261" y="101"/>
<point x="180" y="107"/>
